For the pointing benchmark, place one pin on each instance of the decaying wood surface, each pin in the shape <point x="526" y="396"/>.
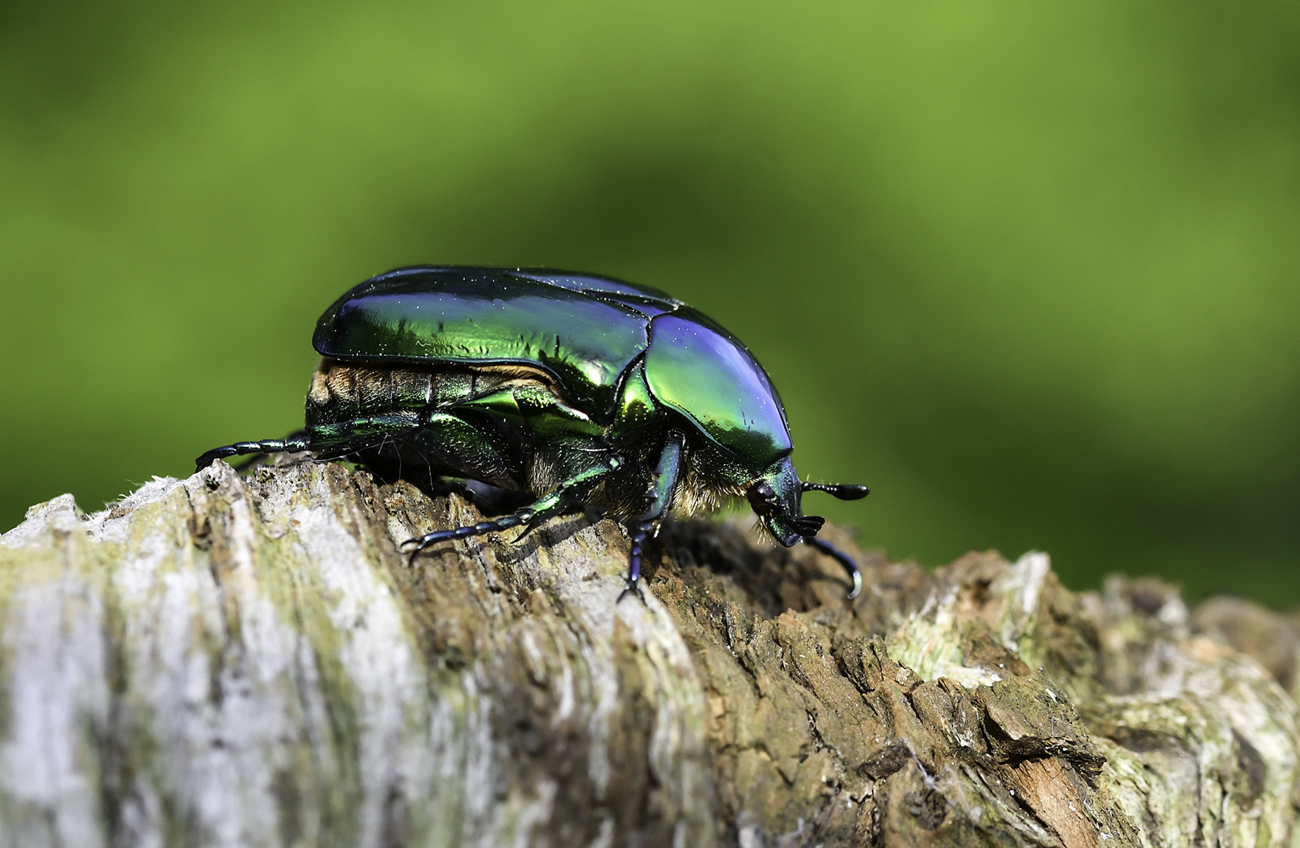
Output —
<point x="250" y="661"/>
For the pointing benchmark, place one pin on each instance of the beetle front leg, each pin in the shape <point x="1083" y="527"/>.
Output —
<point x="667" y="472"/>
<point x="842" y="558"/>
<point x="845" y="492"/>
<point x="559" y="499"/>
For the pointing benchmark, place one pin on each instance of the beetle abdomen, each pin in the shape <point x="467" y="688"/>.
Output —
<point x="505" y="425"/>
<point x="341" y="391"/>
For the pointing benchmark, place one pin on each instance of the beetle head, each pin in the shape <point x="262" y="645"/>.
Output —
<point x="776" y="499"/>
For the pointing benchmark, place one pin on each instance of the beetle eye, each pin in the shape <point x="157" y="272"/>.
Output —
<point x="761" y="497"/>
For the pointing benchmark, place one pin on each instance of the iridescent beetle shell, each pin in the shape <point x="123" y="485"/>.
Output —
<point x="576" y="388"/>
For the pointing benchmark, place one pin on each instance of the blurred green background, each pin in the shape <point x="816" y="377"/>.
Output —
<point x="1029" y="270"/>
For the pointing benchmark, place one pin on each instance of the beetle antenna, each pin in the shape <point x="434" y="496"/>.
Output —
<point x="843" y="491"/>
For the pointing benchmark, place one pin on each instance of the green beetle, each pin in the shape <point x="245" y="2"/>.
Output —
<point x="579" y="389"/>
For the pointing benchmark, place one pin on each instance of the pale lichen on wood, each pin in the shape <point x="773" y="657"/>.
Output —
<point x="230" y="660"/>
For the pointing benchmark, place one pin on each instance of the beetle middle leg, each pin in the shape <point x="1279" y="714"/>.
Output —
<point x="561" y="498"/>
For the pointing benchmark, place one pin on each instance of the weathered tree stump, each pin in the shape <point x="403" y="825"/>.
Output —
<point x="251" y="661"/>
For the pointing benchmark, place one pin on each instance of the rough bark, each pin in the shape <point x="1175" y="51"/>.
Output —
<point x="251" y="661"/>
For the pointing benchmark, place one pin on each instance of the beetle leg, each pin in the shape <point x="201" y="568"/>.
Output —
<point x="328" y="441"/>
<point x="660" y="496"/>
<point x="292" y="444"/>
<point x="842" y="558"/>
<point x="559" y="499"/>
<point x="845" y="492"/>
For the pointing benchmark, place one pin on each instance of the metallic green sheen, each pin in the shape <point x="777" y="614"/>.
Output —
<point x="698" y="369"/>
<point x="647" y="400"/>
<point x="490" y="317"/>
<point x="649" y="300"/>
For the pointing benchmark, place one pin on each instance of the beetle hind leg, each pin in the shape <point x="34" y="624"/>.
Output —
<point x="328" y="441"/>
<point x="293" y="444"/>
